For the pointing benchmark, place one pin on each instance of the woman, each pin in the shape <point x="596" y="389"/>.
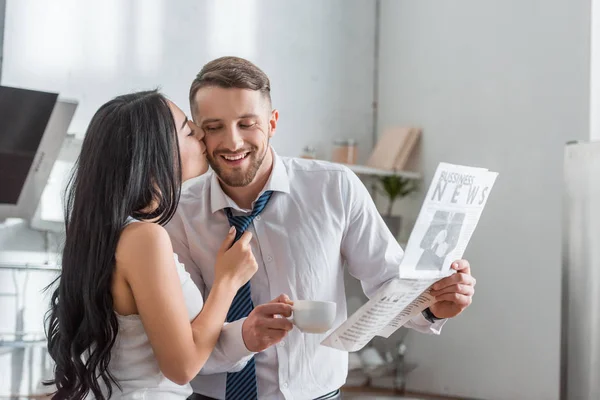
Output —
<point x="125" y="319"/>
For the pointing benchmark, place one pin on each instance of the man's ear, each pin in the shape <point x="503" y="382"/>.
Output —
<point x="273" y="122"/>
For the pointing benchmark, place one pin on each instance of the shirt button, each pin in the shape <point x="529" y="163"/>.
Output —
<point x="269" y="258"/>
<point x="281" y="344"/>
<point x="285" y="385"/>
<point x="257" y="218"/>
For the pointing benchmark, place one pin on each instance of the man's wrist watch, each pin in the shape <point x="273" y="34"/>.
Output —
<point x="429" y="315"/>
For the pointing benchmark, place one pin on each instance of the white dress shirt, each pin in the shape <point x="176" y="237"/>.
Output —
<point x="320" y="220"/>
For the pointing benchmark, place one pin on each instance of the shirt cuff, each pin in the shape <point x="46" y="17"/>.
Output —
<point x="421" y="324"/>
<point x="232" y="342"/>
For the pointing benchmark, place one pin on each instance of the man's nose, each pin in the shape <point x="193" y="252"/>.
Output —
<point x="233" y="140"/>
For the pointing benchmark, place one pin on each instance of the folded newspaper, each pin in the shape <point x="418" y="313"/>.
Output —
<point x="446" y="222"/>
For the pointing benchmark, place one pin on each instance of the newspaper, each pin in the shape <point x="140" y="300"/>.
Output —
<point x="446" y="222"/>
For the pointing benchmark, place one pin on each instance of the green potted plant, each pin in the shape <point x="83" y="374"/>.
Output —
<point x="393" y="188"/>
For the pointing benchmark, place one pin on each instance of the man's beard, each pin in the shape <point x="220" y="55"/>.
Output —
<point x="238" y="177"/>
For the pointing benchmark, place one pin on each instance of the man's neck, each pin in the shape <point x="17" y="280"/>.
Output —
<point x="245" y="195"/>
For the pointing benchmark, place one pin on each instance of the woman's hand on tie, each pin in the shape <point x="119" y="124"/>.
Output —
<point x="235" y="263"/>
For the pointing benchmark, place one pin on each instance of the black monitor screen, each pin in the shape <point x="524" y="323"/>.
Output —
<point x="24" y="115"/>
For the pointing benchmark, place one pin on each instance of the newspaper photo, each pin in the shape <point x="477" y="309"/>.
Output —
<point x="446" y="222"/>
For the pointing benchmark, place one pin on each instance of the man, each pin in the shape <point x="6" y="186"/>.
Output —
<point x="309" y="220"/>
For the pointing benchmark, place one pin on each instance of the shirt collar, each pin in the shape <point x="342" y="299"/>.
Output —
<point x="279" y="181"/>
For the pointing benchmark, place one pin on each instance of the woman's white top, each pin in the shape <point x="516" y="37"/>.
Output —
<point x="133" y="363"/>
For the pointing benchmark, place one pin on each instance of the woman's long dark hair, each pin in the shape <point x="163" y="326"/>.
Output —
<point x="129" y="165"/>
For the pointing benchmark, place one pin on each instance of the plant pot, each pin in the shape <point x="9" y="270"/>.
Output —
<point x="394" y="224"/>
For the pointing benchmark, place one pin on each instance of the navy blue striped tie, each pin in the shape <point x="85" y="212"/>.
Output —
<point x="242" y="385"/>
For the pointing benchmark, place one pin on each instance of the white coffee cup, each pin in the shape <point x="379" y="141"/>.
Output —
<point x="313" y="316"/>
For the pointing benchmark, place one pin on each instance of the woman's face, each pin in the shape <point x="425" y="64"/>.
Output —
<point x="191" y="146"/>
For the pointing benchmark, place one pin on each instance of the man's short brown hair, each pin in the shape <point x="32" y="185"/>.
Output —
<point x="231" y="72"/>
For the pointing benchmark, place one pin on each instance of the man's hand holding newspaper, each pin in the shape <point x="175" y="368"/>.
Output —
<point x="432" y="274"/>
<point x="454" y="293"/>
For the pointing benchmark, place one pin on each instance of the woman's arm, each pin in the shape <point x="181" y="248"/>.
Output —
<point x="145" y="260"/>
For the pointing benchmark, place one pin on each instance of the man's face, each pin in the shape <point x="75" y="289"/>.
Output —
<point x="238" y="124"/>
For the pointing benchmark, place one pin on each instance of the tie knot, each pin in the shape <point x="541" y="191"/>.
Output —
<point x="261" y="202"/>
<point x="241" y="222"/>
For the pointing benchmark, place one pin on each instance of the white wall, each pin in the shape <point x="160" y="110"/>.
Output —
<point x="595" y="72"/>
<point x="319" y="56"/>
<point x="499" y="84"/>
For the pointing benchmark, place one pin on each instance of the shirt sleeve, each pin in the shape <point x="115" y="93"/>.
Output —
<point x="371" y="252"/>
